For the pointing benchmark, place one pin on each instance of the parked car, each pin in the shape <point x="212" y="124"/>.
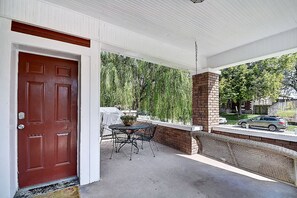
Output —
<point x="222" y="120"/>
<point x="271" y="122"/>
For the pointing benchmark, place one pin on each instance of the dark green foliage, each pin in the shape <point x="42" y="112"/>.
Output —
<point x="128" y="117"/>
<point x="290" y="80"/>
<point x="255" y="80"/>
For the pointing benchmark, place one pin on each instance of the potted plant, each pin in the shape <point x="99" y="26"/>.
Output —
<point x="128" y="120"/>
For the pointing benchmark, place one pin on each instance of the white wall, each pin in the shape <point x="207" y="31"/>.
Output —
<point x="13" y="117"/>
<point x="89" y="102"/>
<point x="47" y="15"/>
<point x="5" y="144"/>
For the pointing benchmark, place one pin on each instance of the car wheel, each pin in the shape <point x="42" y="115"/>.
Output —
<point x="272" y="128"/>
<point x="243" y="125"/>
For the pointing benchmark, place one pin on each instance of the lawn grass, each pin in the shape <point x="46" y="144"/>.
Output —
<point x="233" y="118"/>
<point x="287" y="113"/>
<point x="292" y="127"/>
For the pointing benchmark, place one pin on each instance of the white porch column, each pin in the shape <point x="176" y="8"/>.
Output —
<point x="90" y="126"/>
<point x="89" y="139"/>
<point x="94" y="112"/>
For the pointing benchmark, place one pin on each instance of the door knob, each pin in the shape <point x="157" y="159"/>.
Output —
<point x="21" y="126"/>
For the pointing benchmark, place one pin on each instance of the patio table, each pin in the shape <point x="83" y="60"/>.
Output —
<point x="129" y="131"/>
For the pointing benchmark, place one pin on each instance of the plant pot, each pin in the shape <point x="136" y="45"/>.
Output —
<point x="128" y="122"/>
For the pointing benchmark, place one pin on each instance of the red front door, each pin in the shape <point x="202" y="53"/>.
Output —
<point x="47" y="112"/>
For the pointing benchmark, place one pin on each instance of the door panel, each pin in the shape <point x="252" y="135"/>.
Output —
<point x="36" y="152"/>
<point x="47" y="94"/>
<point x="35" y="102"/>
<point x="63" y="102"/>
<point x="63" y="148"/>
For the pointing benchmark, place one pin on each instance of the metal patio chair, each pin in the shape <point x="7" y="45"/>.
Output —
<point x="117" y="138"/>
<point x="147" y="135"/>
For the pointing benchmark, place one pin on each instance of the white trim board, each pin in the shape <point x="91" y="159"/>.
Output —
<point x="257" y="133"/>
<point x="183" y="127"/>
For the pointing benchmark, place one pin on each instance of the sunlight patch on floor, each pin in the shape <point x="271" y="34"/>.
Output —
<point x="221" y="165"/>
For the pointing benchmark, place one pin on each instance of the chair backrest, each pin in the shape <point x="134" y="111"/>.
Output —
<point x="151" y="131"/>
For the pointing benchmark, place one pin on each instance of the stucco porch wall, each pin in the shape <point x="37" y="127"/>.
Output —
<point x="284" y="142"/>
<point x="176" y="136"/>
<point x="181" y="140"/>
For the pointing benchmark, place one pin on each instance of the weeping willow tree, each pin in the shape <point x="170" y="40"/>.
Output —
<point x="155" y="90"/>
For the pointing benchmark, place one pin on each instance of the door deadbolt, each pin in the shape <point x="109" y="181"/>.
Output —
<point x="21" y="126"/>
<point x="21" y="115"/>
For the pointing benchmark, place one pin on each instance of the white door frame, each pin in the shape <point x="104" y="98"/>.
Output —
<point x="89" y="87"/>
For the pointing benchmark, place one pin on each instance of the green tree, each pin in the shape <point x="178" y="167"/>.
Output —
<point x="290" y="79"/>
<point x="254" y="80"/>
<point x="235" y="85"/>
<point x="159" y="91"/>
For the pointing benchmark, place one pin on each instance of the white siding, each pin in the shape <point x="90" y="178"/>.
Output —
<point x="115" y="38"/>
<point x="217" y="25"/>
<point x="143" y="47"/>
<point x="275" y="45"/>
<point x="50" y="16"/>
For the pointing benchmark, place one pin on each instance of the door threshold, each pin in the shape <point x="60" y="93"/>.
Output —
<point x="39" y="189"/>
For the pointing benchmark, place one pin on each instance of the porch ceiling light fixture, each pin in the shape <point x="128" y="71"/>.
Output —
<point x="197" y="1"/>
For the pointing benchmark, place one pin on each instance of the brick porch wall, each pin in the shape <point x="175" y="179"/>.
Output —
<point x="177" y="139"/>
<point x="206" y="100"/>
<point x="283" y="143"/>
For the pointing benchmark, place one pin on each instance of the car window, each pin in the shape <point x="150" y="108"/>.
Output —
<point x="256" y="118"/>
<point x="269" y="119"/>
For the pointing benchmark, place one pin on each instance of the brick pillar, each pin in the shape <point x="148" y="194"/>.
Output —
<point x="206" y="100"/>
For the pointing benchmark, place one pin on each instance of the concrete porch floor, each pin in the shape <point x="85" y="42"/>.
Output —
<point x="174" y="174"/>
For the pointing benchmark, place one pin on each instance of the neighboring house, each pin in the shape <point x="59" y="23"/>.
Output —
<point x="263" y="106"/>
<point x="231" y="107"/>
<point x="267" y="106"/>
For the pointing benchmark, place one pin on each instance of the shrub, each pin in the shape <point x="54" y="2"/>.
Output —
<point x="287" y="113"/>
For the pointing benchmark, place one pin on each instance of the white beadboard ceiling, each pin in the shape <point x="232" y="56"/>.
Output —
<point x="217" y="25"/>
